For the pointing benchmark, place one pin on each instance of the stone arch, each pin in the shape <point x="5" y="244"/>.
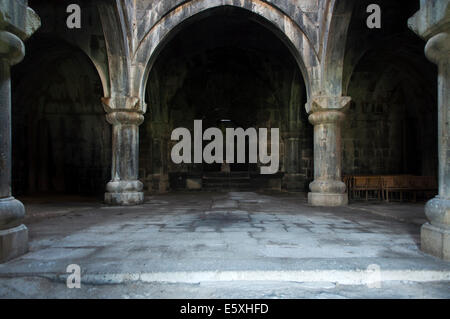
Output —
<point x="404" y="50"/>
<point x="391" y="125"/>
<point x="392" y="36"/>
<point x="233" y="68"/>
<point x="64" y="140"/>
<point x="294" y="37"/>
<point x="335" y="45"/>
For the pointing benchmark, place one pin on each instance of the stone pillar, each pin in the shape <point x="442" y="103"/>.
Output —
<point x="432" y="22"/>
<point x="13" y="234"/>
<point x="17" y="23"/>
<point x="435" y="235"/>
<point x="327" y="189"/>
<point x="124" y="187"/>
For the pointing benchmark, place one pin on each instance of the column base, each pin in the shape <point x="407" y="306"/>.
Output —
<point x="12" y="213"/>
<point x="438" y="211"/>
<point x="124" y="199"/>
<point x="324" y="199"/>
<point x="435" y="241"/>
<point x="13" y="243"/>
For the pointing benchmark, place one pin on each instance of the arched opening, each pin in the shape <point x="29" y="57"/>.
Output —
<point x="62" y="142"/>
<point x="391" y="127"/>
<point x="233" y="72"/>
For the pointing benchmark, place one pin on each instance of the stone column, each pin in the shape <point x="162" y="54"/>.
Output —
<point x="327" y="189"/>
<point x="13" y="234"/>
<point x="435" y="236"/>
<point x="124" y="187"/>
<point x="17" y="23"/>
<point x="432" y="22"/>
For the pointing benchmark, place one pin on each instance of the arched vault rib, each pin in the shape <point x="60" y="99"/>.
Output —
<point x="288" y="31"/>
<point x="334" y="44"/>
<point x="159" y="9"/>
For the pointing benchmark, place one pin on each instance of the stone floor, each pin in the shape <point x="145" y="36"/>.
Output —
<point x="225" y="245"/>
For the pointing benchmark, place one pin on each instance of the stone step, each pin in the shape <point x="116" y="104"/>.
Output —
<point x="229" y="187"/>
<point x="217" y="181"/>
<point x="372" y="278"/>
<point x="226" y="180"/>
<point x="226" y="175"/>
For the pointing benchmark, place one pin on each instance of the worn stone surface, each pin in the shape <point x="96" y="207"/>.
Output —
<point x="323" y="199"/>
<point x="13" y="242"/>
<point x="257" y="239"/>
<point x="36" y="287"/>
<point x="198" y="228"/>
<point x="435" y="241"/>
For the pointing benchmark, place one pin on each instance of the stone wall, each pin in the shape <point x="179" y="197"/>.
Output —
<point x="387" y="132"/>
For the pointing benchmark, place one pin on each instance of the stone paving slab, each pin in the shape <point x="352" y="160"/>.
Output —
<point x="35" y="287"/>
<point x="229" y="235"/>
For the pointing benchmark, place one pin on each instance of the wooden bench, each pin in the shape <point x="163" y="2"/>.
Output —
<point x="365" y="184"/>
<point x="386" y="186"/>
<point x="395" y="184"/>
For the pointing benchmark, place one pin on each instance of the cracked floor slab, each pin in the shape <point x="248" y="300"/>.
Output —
<point x="274" y="237"/>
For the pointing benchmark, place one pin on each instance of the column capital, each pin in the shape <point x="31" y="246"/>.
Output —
<point x="432" y="18"/>
<point x="125" y="118"/>
<point x="328" y="103"/>
<point x="12" y="48"/>
<point x="19" y="19"/>
<point x="326" y="117"/>
<point x="437" y="48"/>
<point x="122" y="103"/>
<point x="122" y="109"/>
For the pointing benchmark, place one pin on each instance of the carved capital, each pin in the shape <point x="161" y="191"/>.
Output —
<point x="326" y="117"/>
<point x="432" y="18"/>
<point x="12" y="48"/>
<point x="123" y="110"/>
<point x="125" y="118"/>
<point x="437" y="49"/>
<point x="328" y="103"/>
<point x="122" y="103"/>
<point x="19" y="19"/>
